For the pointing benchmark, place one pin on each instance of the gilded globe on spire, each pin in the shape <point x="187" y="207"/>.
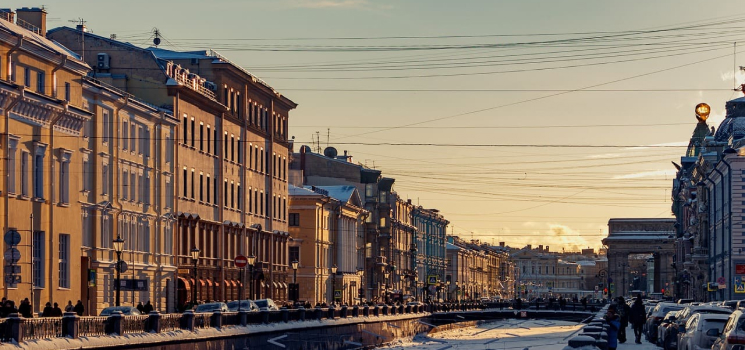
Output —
<point x="702" y="112"/>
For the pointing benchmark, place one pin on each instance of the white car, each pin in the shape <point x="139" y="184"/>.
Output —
<point x="701" y="331"/>
<point x="266" y="304"/>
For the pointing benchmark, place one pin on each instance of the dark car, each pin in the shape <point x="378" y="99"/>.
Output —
<point x="245" y="305"/>
<point x="211" y="307"/>
<point x="654" y="319"/>
<point x="126" y="310"/>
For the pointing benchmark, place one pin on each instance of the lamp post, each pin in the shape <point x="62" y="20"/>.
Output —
<point x="195" y="259"/>
<point x="294" y="281"/>
<point x="118" y="246"/>
<point x="251" y="260"/>
<point x="386" y="275"/>
<point x="361" y="272"/>
<point x="333" y="288"/>
<point x="447" y="283"/>
<point x="416" y="287"/>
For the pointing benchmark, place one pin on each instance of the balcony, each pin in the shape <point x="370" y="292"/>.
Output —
<point x="700" y="251"/>
<point x="381" y="260"/>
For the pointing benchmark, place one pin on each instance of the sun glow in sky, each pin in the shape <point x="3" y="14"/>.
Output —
<point x="522" y="121"/>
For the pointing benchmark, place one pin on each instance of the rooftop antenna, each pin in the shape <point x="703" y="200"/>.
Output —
<point x="81" y="26"/>
<point x="328" y="136"/>
<point x="156" y="40"/>
<point x="318" y="142"/>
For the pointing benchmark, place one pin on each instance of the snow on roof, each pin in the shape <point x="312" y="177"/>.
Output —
<point x="176" y="55"/>
<point x="40" y="40"/>
<point x="343" y="193"/>
<point x="586" y="262"/>
<point x="300" y="191"/>
<point x="453" y="246"/>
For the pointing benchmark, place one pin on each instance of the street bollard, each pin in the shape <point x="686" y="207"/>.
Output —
<point x="331" y="313"/>
<point x="70" y="325"/>
<point x="264" y="316"/>
<point x="344" y="311"/>
<point x="376" y="310"/>
<point x="356" y="311"/>
<point x="153" y="322"/>
<point x="385" y="310"/>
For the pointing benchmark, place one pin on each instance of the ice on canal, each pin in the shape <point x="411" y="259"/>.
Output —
<point x="506" y="334"/>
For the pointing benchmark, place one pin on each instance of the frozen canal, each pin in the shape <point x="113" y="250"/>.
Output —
<point x="507" y="334"/>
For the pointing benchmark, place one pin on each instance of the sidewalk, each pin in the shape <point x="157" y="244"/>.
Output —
<point x="630" y="345"/>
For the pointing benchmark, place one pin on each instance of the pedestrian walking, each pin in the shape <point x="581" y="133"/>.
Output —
<point x="140" y="308"/>
<point x="79" y="308"/>
<point x="47" y="310"/>
<point x="637" y="317"/>
<point x="623" y="312"/>
<point x="614" y="324"/>
<point x="148" y="307"/>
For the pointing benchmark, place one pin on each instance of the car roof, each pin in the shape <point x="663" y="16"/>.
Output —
<point x="714" y="316"/>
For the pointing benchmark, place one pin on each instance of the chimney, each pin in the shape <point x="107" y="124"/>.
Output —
<point x="501" y="244"/>
<point x="540" y="248"/>
<point x="546" y="249"/>
<point x="530" y="247"/>
<point x="8" y="15"/>
<point x="33" y="19"/>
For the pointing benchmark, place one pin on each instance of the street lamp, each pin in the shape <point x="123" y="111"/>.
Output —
<point x="386" y="275"/>
<point x="195" y="259"/>
<point x="447" y="283"/>
<point x="118" y="246"/>
<point x="361" y="272"/>
<point x="333" y="288"/>
<point x="251" y="260"/>
<point x="294" y="280"/>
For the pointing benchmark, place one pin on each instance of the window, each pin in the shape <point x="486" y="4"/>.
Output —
<point x="25" y="157"/>
<point x="208" y="189"/>
<point x="193" y="131"/>
<point x="192" y="184"/>
<point x="146" y="178"/>
<point x="294" y="254"/>
<point x="186" y="186"/>
<point x="215" y="194"/>
<point x="106" y="126"/>
<point x="201" y="187"/>
<point x="225" y="193"/>
<point x="105" y="179"/>
<point x="67" y="92"/>
<point x="208" y="139"/>
<point x="40" y="150"/>
<point x="141" y="188"/>
<point x="217" y="144"/>
<point x="240" y="147"/>
<point x="262" y="160"/>
<point x="38" y="259"/>
<point x="369" y="190"/>
<point x="232" y="147"/>
<point x="262" y="203"/>
<point x="143" y="140"/>
<point x="201" y="136"/>
<point x="12" y="145"/>
<point x="225" y="142"/>
<point x="125" y="135"/>
<point x="240" y="198"/>
<point x="64" y="177"/>
<point x="250" y="156"/>
<point x="125" y="184"/>
<point x="40" y="82"/>
<point x="294" y="219"/>
<point x="64" y="260"/>
<point x="185" y="126"/>
<point x="232" y="194"/>
<point x="132" y="137"/>
<point x="132" y="186"/>
<point x="27" y="77"/>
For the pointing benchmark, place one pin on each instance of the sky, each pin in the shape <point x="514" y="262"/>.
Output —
<point x="525" y="122"/>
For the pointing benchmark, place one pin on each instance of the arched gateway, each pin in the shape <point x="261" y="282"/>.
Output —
<point x="640" y="236"/>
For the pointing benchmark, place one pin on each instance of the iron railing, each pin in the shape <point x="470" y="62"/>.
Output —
<point x="202" y="320"/>
<point x="92" y="326"/>
<point x="42" y="328"/>
<point x="231" y="319"/>
<point x="170" y="322"/>
<point x="135" y="324"/>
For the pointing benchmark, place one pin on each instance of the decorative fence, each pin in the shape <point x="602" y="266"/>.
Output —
<point x="73" y="326"/>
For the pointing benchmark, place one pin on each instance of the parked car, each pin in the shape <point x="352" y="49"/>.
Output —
<point x="668" y="336"/>
<point x="729" y="303"/>
<point x="701" y="331"/>
<point x="654" y="319"/>
<point x="662" y="329"/>
<point x="266" y="304"/>
<point x="211" y="307"/>
<point x="732" y="336"/>
<point x="126" y="310"/>
<point x="245" y="305"/>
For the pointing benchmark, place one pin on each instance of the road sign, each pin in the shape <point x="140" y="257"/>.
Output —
<point x="720" y="280"/>
<point x="739" y="288"/>
<point x="12" y="269"/>
<point x="337" y="294"/>
<point x="612" y="287"/>
<point x="12" y="237"/>
<point x="432" y="279"/>
<point x="184" y="271"/>
<point x="123" y="266"/>
<point x="12" y="255"/>
<point x="240" y="261"/>
<point x="13" y="279"/>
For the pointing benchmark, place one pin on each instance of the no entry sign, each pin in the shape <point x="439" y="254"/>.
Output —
<point x="240" y="261"/>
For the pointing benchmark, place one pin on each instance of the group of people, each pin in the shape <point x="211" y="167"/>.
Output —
<point x="25" y="309"/>
<point x="145" y="309"/>
<point x="55" y="311"/>
<point x="619" y="315"/>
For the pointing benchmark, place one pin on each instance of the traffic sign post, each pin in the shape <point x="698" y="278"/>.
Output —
<point x="12" y="237"/>
<point x="240" y="261"/>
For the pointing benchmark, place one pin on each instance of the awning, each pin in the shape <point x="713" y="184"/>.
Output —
<point x="186" y="283"/>
<point x="203" y="282"/>
<point x="232" y="283"/>
<point x="275" y="285"/>
<point x="262" y="284"/>
<point x="284" y="285"/>
<point x="217" y="283"/>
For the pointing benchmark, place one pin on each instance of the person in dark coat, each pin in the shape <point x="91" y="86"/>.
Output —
<point x="47" y="310"/>
<point x="637" y="317"/>
<point x="25" y="309"/>
<point x="56" y="311"/>
<point x="614" y="325"/>
<point x="79" y="308"/>
<point x="148" y="307"/>
<point x="140" y="308"/>
<point x="623" y="312"/>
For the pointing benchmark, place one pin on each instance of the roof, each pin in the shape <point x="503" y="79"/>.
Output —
<point x="451" y="246"/>
<point x="299" y="191"/>
<point x="41" y="41"/>
<point x="344" y="193"/>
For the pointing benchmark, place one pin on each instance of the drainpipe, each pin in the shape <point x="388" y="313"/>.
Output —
<point x="221" y="203"/>
<point x="54" y="74"/>
<point x="175" y="184"/>
<point x="6" y="112"/>
<point x="721" y="176"/>
<point x="52" y="188"/>
<point x="729" y="219"/>
<point x="8" y="59"/>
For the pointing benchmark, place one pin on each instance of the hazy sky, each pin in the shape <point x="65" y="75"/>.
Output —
<point x="506" y="72"/>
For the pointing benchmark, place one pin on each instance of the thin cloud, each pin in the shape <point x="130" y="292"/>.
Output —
<point x="325" y="4"/>
<point x="656" y="173"/>
<point x="605" y="156"/>
<point x="668" y="144"/>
